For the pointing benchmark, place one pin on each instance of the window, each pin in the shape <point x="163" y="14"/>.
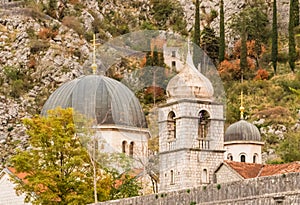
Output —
<point x="172" y="177"/>
<point x="203" y="124"/>
<point x="230" y="157"/>
<point x="243" y="158"/>
<point x="124" y="145"/>
<point x="173" y="53"/>
<point x="171" y="126"/>
<point x="131" y="148"/>
<point x="255" y="158"/>
<point x="173" y="64"/>
<point x="204" y="176"/>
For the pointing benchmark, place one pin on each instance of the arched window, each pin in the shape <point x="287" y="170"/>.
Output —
<point x="131" y="148"/>
<point x="255" y="158"/>
<point x="230" y="157"/>
<point x="172" y="177"/>
<point x="243" y="158"/>
<point x="124" y="145"/>
<point x="171" y="126"/>
<point x="203" y="124"/>
<point x="204" y="176"/>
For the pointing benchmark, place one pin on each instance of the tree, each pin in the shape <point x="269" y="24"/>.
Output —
<point x="292" y="43"/>
<point x="243" y="56"/>
<point x="274" y="37"/>
<point x="253" y="16"/>
<point x="58" y="167"/>
<point x="168" y="14"/>
<point x="296" y="12"/>
<point x="222" y="33"/>
<point x="196" y="36"/>
<point x="55" y="163"/>
<point x="289" y="148"/>
<point x="210" y="43"/>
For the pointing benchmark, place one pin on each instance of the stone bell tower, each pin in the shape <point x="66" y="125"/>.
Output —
<point x="191" y="131"/>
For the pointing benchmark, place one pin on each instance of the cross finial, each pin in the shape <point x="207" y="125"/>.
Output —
<point x="94" y="65"/>
<point x="242" y="109"/>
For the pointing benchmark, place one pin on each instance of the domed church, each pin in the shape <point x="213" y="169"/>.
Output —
<point x="242" y="141"/>
<point x="116" y="113"/>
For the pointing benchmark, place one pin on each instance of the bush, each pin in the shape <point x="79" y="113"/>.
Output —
<point x="46" y="33"/>
<point x="261" y="74"/>
<point x="73" y="23"/>
<point x="37" y="46"/>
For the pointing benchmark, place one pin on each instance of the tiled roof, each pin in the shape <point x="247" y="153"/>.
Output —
<point x="246" y="170"/>
<point x="251" y="170"/>
<point x="20" y="175"/>
<point x="274" y="169"/>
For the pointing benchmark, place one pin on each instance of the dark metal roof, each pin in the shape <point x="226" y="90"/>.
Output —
<point x="100" y="98"/>
<point x="242" y="131"/>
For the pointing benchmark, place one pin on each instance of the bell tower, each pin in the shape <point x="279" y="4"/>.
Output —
<point x="191" y="131"/>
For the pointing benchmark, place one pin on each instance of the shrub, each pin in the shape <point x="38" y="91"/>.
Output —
<point x="37" y="46"/>
<point x="46" y="33"/>
<point x="219" y="186"/>
<point x="73" y="23"/>
<point x="261" y="74"/>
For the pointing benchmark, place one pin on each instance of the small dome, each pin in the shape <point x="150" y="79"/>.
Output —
<point x="242" y="131"/>
<point x="100" y="98"/>
<point x="190" y="83"/>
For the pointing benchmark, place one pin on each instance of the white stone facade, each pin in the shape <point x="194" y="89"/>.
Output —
<point x="8" y="194"/>
<point x="128" y="140"/>
<point x="188" y="160"/>
<point x="250" y="149"/>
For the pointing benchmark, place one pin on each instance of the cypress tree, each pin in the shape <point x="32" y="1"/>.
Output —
<point x="196" y="36"/>
<point x="155" y="60"/>
<point x="292" y="44"/>
<point x="274" y="37"/>
<point x="296" y="12"/>
<point x="243" y="56"/>
<point x="222" y="33"/>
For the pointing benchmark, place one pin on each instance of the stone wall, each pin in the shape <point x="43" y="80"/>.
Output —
<point x="283" y="189"/>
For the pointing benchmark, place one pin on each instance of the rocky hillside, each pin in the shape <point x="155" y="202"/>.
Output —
<point x="42" y="47"/>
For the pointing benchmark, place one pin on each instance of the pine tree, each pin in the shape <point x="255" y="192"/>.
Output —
<point x="292" y="44"/>
<point x="196" y="37"/>
<point x="222" y="33"/>
<point x="274" y="37"/>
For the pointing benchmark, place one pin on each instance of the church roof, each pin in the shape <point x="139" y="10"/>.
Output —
<point x="252" y="170"/>
<point x="102" y="99"/>
<point x="190" y="83"/>
<point x="242" y="131"/>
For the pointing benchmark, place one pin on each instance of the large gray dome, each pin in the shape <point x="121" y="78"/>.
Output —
<point x="100" y="98"/>
<point x="242" y="131"/>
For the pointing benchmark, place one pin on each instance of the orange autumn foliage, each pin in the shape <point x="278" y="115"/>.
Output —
<point x="230" y="70"/>
<point x="250" y="49"/>
<point x="261" y="74"/>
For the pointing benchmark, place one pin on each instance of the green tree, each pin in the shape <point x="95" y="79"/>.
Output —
<point x="222" y="33"/>
<point x="253" y="16"/>
<point x="168" y="14"/>
<point x="296" y="12"/>
<point x="274" y="37"/>
<point x="289" y="148"/>
<point x="292" y="43"/>
<point x="210" y="43"/>
<point x="243" y="56"/>
<point x="59" y="169"/>
<point x="196" y="36"/>
<point x="55" y="163"/>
